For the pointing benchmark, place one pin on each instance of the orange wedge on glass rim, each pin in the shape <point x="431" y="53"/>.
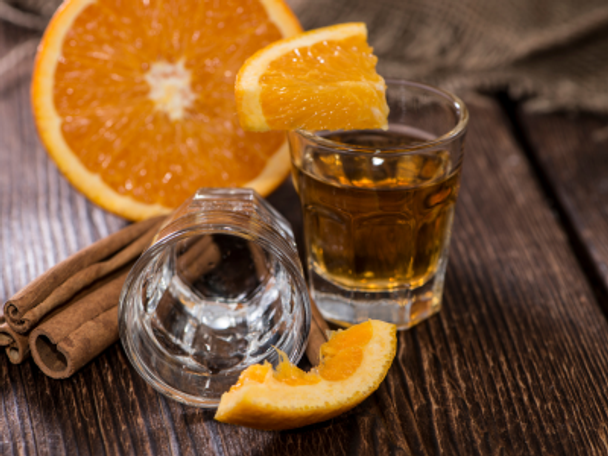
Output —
<point x="324" y="79"/>
<point x="134" y="101"/>
<point x="353" y="364"/>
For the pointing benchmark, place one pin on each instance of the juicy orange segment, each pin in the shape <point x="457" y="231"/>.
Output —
<point x="253" y="374"/>
<point x="291" y="375"/>
<point x="354" y="363"/>
<point x="134" y="100"/>
<point x="324" y="79"/>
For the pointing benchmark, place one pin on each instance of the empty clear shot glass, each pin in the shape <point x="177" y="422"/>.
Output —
<point x="220" y="289"/>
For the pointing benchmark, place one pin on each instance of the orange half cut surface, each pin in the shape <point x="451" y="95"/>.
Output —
<point x="134" y="100"/>
<point x="353" y="364"/>
<point x="324" y="79"/>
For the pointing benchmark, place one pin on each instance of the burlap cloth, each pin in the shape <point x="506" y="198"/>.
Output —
<point x="551" y="54"/>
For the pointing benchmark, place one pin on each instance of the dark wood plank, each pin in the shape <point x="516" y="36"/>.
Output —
<point x="516" y="362"/>
<point x="572" y="151"/>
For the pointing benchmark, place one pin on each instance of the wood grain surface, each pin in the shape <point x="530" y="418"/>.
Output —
<point x="572" y="154"/>
<point x="515" y="364"/>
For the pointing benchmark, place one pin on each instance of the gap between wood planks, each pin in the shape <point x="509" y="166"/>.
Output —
<point x="580" y="250"/>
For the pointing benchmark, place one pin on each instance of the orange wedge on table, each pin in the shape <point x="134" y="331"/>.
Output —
<point x="324" y="79"/>
<point x="135" y="100"/>
<point x="353" y="364"/>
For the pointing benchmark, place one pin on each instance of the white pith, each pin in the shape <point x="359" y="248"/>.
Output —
<point x="170" y="88"/>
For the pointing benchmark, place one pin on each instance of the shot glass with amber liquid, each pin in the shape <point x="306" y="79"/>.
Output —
<point x="378" y="208"/>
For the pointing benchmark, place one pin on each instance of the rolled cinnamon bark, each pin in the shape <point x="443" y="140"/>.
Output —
<point x="193" y="250"/>
<point x="2" y="322"/>
<point x="201" y="257"/>
<point x="60" y="283"/>
<point x="17" y="346"/>
<point x="69" y="340"/>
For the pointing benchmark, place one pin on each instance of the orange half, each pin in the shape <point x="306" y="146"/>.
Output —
<point x="135" y="103"/>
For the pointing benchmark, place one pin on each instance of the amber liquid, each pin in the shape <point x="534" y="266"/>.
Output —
<point x="377" y="224"/>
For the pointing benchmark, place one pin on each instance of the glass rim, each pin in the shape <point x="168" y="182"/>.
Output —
<point x="458" y="130"/>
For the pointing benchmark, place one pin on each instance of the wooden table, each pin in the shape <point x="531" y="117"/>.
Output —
<point x="515" y="363"/>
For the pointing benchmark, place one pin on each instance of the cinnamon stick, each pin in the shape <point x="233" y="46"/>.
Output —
<point x="194" y="248"/>
<point x="60" y="283"/>
<point x="201" y="257"/>
<point x="69" y="340"/>
<point x="74" y="295"/>
<point x="16" y="345"/>
<point x="88" y="323"/>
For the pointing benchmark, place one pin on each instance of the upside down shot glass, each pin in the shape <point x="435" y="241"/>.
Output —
<point x="378" y="208"/>
<point x="221" y="288"/>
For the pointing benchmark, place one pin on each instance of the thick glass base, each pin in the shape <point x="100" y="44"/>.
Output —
<point x="404" y="306"/>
